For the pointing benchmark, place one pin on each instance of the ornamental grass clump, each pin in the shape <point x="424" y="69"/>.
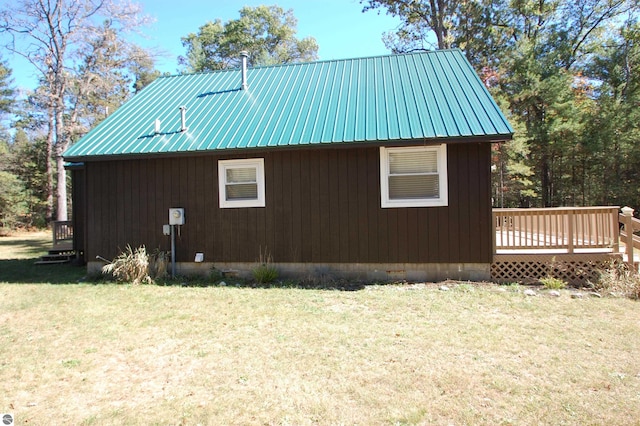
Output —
<point x="265" y="272"/>
<point x="130" y="266"/>
<point x="619" y="281"/>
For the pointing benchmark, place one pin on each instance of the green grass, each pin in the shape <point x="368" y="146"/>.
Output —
<point x="25" y="245"/>
<point x="384" y="355"/>
<point x="18" y="254"/>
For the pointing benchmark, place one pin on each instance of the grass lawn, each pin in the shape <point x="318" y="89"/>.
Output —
<point x="80" y="353"/>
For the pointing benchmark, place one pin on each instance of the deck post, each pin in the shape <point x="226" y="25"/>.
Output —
<point x="627" y="212"/>
<point x="570" y="230"/>
<point x="614" y="230"/>
<point x="495" y="228"/>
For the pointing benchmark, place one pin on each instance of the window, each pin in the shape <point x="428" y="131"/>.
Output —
<point x="241" y="183"/>
<point x="413" y="176"/>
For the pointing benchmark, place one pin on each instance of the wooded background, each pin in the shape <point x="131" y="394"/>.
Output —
<point x="563" y="71"/>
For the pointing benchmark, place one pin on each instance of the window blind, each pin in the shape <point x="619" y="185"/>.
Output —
<point x="241" y="184"/>
<point x="413" y="175"/>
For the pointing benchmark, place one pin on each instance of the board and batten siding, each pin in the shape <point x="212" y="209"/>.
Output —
<point x="322" y="206"/>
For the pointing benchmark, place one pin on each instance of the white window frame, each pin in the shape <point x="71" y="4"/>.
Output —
<point x="442" y="200"/>
<point x="224" y="165"/>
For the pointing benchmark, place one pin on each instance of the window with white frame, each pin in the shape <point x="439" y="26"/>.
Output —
<point x="241" y="183"/>
<point x="414" y="176"/>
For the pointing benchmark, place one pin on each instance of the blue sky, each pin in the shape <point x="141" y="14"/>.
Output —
<point x="339" y="26"/>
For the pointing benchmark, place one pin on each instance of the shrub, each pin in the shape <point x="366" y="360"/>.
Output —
<point x="265" y="272"/>
<point x="618" y="280"/>
<point x="215" y="275"/>
<point x="130" y="266"/>
<point x="158" y="263"/>
<point x="552" y="283"/>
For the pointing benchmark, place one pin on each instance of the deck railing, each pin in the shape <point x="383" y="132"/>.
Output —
<point x="629" y="225"/>
<point x="563" y="228"/>
<point x="62" y="232"/>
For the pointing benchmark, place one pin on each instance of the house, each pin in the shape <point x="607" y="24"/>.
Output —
<point x="373" y="167"/>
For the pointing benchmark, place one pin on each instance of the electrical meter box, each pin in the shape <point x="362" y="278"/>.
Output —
<point x="176" y="216"/>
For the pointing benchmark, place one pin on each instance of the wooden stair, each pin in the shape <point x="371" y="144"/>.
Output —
<point x="57" y="256"/>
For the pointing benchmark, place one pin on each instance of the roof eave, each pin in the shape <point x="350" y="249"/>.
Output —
<point x="335" y="145"/>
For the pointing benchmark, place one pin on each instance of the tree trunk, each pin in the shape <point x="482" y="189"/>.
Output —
<point x="61" y="145"/>
<point x="62" y="188"/>
<point x="61" y="192"/>
<point x="49" y="167"/>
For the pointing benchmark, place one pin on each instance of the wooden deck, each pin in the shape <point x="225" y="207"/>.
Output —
<point x="568" y="243"/>
<point x="586" y="230"/>
<point x="567" y="229"/>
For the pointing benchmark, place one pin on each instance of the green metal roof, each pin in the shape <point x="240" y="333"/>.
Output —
<point x="428" y="95"/>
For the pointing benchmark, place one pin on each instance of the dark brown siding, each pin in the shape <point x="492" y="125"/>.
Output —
<point x="322" y="205"/>
<point x="78" y="188"/>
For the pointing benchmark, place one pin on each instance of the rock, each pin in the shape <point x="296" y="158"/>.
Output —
<point x="444" y="288"/>
<point x="554" y="293"/>
<point x="595" y="294"/>
<point x="577" y="295"/>
<point x="222" y="284"/>
<point x="529" y="292"/>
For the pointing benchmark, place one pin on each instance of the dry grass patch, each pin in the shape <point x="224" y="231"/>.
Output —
<point x="107" y="354"/>
<point x="619" y="280"/>
<point x="87" y="354"/>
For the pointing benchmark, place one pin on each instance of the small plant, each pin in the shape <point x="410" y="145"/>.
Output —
<point x="158" y="263"/>
<point x="552" y="283"/>
<point x="215" y="275"/>
<point x="464" y="287"/>
<point x="265" y="272"/>
<point x="130" y="266"/>
<point x="618" y="280"/>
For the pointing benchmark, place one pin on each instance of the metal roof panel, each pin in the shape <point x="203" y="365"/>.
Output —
<point x="417" y="96"/>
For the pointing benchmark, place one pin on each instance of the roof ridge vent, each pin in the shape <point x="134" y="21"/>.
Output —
<point x="244" y="55"/>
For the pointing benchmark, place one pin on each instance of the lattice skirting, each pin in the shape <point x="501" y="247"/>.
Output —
<point x="576" y="269"/>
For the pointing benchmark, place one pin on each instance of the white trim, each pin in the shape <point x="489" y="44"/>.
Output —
<point x="442" y="200"/>
<point x="223" y="165"/>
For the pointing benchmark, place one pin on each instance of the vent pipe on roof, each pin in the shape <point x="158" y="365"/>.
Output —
<point x="244" y="55"/>
<point x="183" y="117"/>
<point x="157" y="126"/>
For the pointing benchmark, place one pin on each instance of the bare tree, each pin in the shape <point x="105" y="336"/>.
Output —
<point x="50" y="34"/>
<point x="111" y="69"/>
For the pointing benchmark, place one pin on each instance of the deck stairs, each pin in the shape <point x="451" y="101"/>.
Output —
<point x="62" y="250"/>
<point x="57" y="255"/>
